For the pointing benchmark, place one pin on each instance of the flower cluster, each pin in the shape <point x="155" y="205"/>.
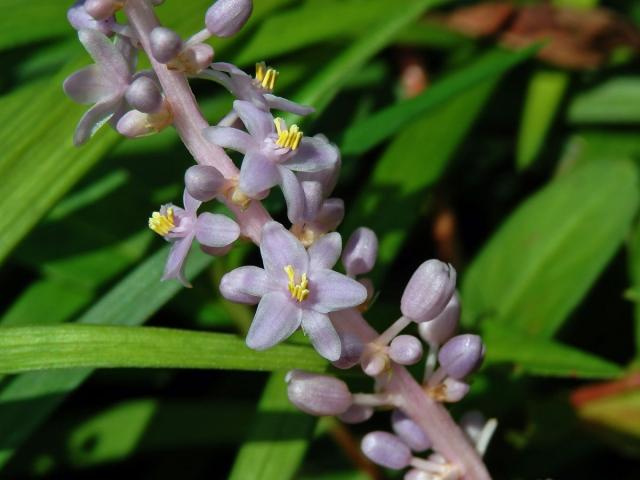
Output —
<point x="297" y="285"/>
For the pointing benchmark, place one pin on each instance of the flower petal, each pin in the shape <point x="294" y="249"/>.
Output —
<point x="88" y="85"/>
<point x="215" y="230"/>
<point x="258" y="122"/>
<point x="257" y="174"/>
<point x="228" y="137"/>
<point x="323" y="336"/>
<point x="245" y="284"/>
<point x="174" y="267"/>
<point x="293" y="195"/>
<point x="331" y="291"/>
<point x="191" y="205"/>
<point x="313" y="197"/>
<point x="277" y="317"/>
<point x="313" y="155"/>
<point x="285" y="105"/>
<point x="279" y="248"/>
<point x="105" y="54"/>
<point x="324" y="253"/>
<point x="93" y="119"/>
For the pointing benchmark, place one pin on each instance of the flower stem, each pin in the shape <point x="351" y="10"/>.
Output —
<point x="394" y="329"/>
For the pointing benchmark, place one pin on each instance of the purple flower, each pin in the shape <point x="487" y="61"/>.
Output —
<point x="80" y="19"/>
<point x="296" y="287"/>
<point x="255" y="90"/>
<point x="103" y="84"/>
<point x="272" y="153"/>
<point x="181" y="225"/>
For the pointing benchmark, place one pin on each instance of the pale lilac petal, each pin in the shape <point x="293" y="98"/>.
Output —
<point x="323" y="336"/>
<point x="245" y="284"/>
<point x="324" y="253"/>
<point x="330" y="215"/>
<point x="105" y="54"/>
<point x="313" y="155"/>
<point x="331" y="291"/>
<point x="279" y="248"/>
<point x="231" y="138"/>
<point x="215" y="230"/>
<point x="129" y="54"/>
<point x="257" y="174"/>
<point x="240" y="84"/>
<point x="191" y="205"/>
<point x="293" y="195"/>
<point x="277" y="317"/>
<point x="313" y="197"/>
<point x="174" y="267"/>
<point x="258" y="122"/>
<point x="93" y="119"/>
<point x="285" y="105"/>
<point x="88" y="85"/>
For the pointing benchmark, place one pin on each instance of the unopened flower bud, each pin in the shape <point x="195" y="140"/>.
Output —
<point x="80" y="19"/>
<point x="415" y="474"/>
<point x="454" y="390"/>
<point x="165" y="44"/>
<point x="461" y="355"/>
<point x="135" y="124"/>
<point x="374" y="364"/>
<point x="351" y="351"/>
<point x="405" y="350"/>
<point x="226" y="17"/>
<point x="204" y="182"/>
<point x="361" y="251"/>
<point x="437" y="331"/>
<point x="409" y="431"/>
<point x="201" y="57"/>
<point x="428" y="291"/>
<point x="356" y="414"/>
<point x="386" y="450"/>
<point x="101" y="9"/>
<point x="318" y="394"/>
<point x="144" y="95"/>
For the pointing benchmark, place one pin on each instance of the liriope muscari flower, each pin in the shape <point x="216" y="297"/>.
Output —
<point x="256" y="90"/>
<point x="272" y="153"/>
<point x="80" y="19"/>
<point x="181" y="226"/>
<point x="103" y="84"/>
<point x="296" y="287"/>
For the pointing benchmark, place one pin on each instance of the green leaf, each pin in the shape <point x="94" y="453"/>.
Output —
<point x="381" y="125"/>
<point x="27" y="348"/>
<point x="390" y="201"/>
<point x="542" y="261"/>
<point x="544" y="95"/>
<point x="32" y="21"/>
<point x="278" y="438"/>
<point x="540" y="356"/>
<point x="634" y="272"/>
<point x="613" y="101"/>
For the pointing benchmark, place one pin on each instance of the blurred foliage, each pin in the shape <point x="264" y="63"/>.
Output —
<point x="524" y="176"/>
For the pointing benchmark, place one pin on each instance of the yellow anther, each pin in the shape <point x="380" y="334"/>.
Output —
<point x="266" y="76"/>
<point x="299" y="291"/>
<point x="160" y="223"/>
<point x="287" y="138"/>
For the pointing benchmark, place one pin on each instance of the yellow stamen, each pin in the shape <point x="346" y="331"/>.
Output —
<point x="287" y="138"/>
<point x="162" y="224"/>
<point x="266" y="76"/>
<point x="298" y="291"/>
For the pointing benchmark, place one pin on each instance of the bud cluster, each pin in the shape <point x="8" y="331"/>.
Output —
<point x="297" y="285"/>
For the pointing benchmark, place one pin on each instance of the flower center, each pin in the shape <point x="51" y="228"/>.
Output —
<point x="298" y="291"/>
<point x="287" y="138"/>
<point x="266" y="76"/>
<point x="162" y="223"/>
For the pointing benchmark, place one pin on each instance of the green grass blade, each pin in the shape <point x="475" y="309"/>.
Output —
<point x="613" y="101"/>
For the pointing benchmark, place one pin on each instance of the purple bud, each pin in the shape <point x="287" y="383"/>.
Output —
<point x="356" y="414"/>
<point x="405" y="350"/>
<point x="80" y="19"/>
<point x="144" y="95"/>
<point x="415" y="474"/>
<point x="428" y="291"/>
<point x="165" y="44"/>
<point x="200" y="57"/>
<point x="374" y="364"/>
<point x="351" y="351"/>
<point x="409" y="431"/>
<point x="454" y="390"/>
<point x="318" y="394"/>
<point x="226" y="17"/>
<point x="461" y="355"/>
<point x="444" y="326"/>
<point x="360" y="253"/>
<point x="386" y="450"/>
<point x="101" y="9"/>
<point x="204" y="182"/>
